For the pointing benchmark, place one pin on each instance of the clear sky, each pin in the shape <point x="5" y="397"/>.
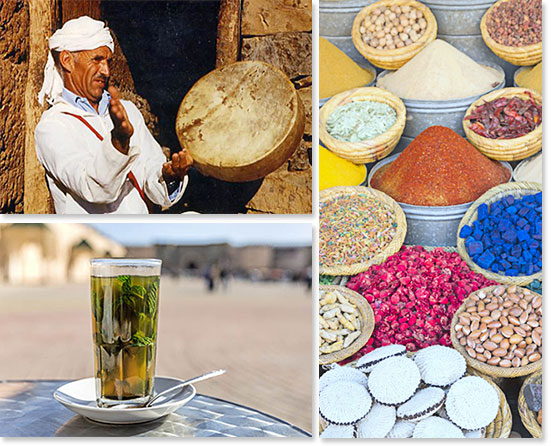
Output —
<point x="140" y="234"/>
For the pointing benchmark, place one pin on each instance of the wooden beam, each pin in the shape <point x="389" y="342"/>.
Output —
<point x="228" y="40"/>
<point x="42" y="24"/>
<point x="72" y="9"/>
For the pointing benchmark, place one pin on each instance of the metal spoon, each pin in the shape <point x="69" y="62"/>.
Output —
<point x="183" y="384"/>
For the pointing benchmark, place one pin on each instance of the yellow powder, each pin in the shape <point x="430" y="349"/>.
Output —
<point x="338" y="72"/>
<point x="335" y="171"/>
<point x="530" y="78"/>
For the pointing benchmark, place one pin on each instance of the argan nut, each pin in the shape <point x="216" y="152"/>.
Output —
<point x="516" y="362"/>
<point x="515" y="339"/>
<point x="494" y="360"/>
<point x="497" y="338"/>
<point x="499" y="352"/>
<point x="471" y="352"/>
<point x="505" y="363"/>
<point x="489" y="345"/>
<point x="507" y="331"/>
<point x="534" y="357"/>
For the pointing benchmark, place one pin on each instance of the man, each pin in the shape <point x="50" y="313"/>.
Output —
<point x="98" y="154"/>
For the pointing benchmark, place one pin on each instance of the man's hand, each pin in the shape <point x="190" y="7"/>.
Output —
<point x="123" y="130"/>
<point x="176" y="169"/>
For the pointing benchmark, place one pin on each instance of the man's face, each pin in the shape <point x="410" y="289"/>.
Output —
<point x="90" y="74"/>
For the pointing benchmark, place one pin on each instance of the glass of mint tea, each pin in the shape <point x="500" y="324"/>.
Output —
<point x="125" y="304"/>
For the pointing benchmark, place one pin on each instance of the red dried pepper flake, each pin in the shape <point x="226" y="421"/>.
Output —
<point x="506" y="118"/>
<point x="418" y="314"/>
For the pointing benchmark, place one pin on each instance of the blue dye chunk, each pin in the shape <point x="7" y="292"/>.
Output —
<point x="509" y="199"/>
<point x="486" y="259"/>
<point x="523" y="211"/>
<point x="523" y="235"/>
<point x="465" y="231"/>
<point x="511" y="210"/>
<point x="521" y="222"/>
<point x="509" y="236"/>
<point x="539" y="197"/>
<point x="477" y="234"/>
<point x="475" y="248"/>
<point x="482" y="211"/>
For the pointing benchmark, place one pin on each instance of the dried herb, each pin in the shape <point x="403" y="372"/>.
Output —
<point x="506" y="118"/>
<point x="516" y="23"/>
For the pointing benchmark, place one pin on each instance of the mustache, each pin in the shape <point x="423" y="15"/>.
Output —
<point x="102" y="78"/>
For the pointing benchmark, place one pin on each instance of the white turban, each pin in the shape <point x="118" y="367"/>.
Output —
<point x="79" y="34"/>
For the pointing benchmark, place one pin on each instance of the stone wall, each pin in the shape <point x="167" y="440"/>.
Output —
<point x="14" y="26"/>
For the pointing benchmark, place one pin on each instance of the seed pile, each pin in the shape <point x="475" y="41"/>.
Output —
<point x="354" y="228"/>
<point x="414" y="295"/>
<point x="506" y="118"/>
<point x="439" y="168"/>
<point x="360" y="120"/>
<point x="502" y="327"/>
<point x="506" y="238"/>
<point x="516" y="23"/>
<point x="403" y="405"/>
<point x="339" y="322"/>
<point x="389" y="28"/>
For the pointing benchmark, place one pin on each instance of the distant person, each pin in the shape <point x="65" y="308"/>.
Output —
<point x="99" y="156"/>
<point x="224" y="278"/>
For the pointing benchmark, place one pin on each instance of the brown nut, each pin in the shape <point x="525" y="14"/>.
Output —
<point x="499" y="352"/>
<point x="493" y="306"/>
<point x="522" y="344"/>
<point x="499" y="290"/>
<point x="484" y="313"/>
<point x="519" y="331"/>
<point x="507" y="331"/>
<point x="479" y="349"/>
<point x="494" y="360"/>
<point x="486" y="320"/>
<point x="474" y="334"/>
<point x="523" y="317"/>
<point x="474" y="325"/>
<point x="505" y="363"/>
<point x="464" y="320"/>
<point x="536" y="302"/>
<point x="514" y="320"/>
<point x="489" y="345"/>
<point x="471" y="352"/>
<point x="533" y="323"/>
<point x="459" y="334"/>
<point x="523" y="304"/>
<point x="503" y="320"/>
<point x="495" y="324"/>
<point x="516" y="362"/>
<point x="495" y="315"/>
<point x="508" y="304"/>
<point x="515" y="339"/>
<point x="536" y="337"/>
<point x="505" y="344"/>
<point x="534" y="357"/>
<point x="484" y="336"/>
<point x="531" y="349"/>
<point x="480" y="306"/>
<point x="515" y="311"/>
<point x="466" y="329"/>
<point x="524" y="361"/>
<point x="497" y="338"/>
<point x="519" y="353"/>
<point x="481" y="358"/>
<point x="487" y="354"/>
<point x="463" y="341"/>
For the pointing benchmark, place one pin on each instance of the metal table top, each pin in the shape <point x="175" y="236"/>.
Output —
<point x="28" y="409"/>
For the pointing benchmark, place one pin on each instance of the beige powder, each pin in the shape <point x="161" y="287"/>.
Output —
<point x="440" y="72"/>
<point x="531" y="170"/>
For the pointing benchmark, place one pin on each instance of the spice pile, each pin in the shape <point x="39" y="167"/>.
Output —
<point x="360" y="120"/>
<point x="335" y="171"/>
<point x="531" y="78"/>
<point x="440" y="72"/>
<point x="439" y="168"/>
<point x="414" y="295"/>
<point x="506" y="118"/>
<point x="502" y="327"/>
<point x="516" y="23"/>
<point x="354" y="228"/>
<point x="389" y="28"/>
<point x="338" y="72"/>
<point x="339" y="322"/>
<point x="531" y="169"/>
<point x="427" y="396"/>
<point x="506" y="237"/>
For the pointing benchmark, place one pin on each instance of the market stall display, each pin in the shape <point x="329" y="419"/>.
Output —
<point x="339" y="72"/>
<point x="380" y="138"/>
<point x="512" y="29"/>
<point x="498" y="330"/>
<point x="389" y="33"/>
<point x="336" y="171"/>
<point x="500" y="236"/>
<point x="359" y="227"/>
<point x="530" y="401"/>
<point x="414" y="295"/>
<point x="506" y="124"/>
<point x="402" y="405"/>
<point x="345" y="321"/>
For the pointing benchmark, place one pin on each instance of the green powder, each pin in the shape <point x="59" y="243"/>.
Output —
<point x="360" y="121"/>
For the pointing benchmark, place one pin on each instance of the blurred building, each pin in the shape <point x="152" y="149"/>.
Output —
<point x="38" y="253"/>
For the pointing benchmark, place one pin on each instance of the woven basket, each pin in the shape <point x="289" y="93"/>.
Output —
<point x="505" y="149"/>
<point x="369" y="150"/>
<point x="517" y="190"/>
<point x="393" y="59"/>
<point x="489" y="370"/>
<point x="499" y="428"/>
<point x="367" y="324"/>
<point x="525" y="55"/>
<point x="528" y="417"/>
<point x="392" y="248"/>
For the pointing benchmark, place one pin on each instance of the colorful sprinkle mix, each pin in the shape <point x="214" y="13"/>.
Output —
<point x="354" y="228"/>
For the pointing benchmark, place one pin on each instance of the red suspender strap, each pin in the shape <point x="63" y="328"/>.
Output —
<point x="131" y="176"/>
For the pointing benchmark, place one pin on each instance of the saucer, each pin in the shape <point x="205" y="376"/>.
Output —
<point x="80" y="397"/>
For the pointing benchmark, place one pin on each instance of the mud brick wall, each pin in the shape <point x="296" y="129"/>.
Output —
<point x="278" y="32"/>
<point x="14" y="26"/>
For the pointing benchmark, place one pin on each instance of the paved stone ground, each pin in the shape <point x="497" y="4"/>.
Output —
<point x="261" y="333"/>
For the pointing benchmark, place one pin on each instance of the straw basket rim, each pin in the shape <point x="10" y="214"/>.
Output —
<point x="506" y="149"/>
<point x="521" y="188"/>
<point x="369" y="150"/>
<point x="502" y="424"/>
<point x="527" y="416"/>
<point x="392" y="248"/>
<point x="486" y="369"/>
<point x="367" y="325"/>
<point x="522" y="56"/>
<point x="393" y="59"/>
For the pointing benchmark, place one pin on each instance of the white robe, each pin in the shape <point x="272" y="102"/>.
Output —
<point x="89" y="176"/>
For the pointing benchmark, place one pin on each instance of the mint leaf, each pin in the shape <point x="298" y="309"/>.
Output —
<point x="152" y="298"/>
<point x="140" y="340"/>
<point x="138" y="291"/>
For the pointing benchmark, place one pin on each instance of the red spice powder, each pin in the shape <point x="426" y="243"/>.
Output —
<point x="439" y="168"/>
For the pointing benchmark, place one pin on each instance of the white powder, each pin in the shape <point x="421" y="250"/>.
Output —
<point x="440" y="72"/>
<point x="531" y="170"/>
